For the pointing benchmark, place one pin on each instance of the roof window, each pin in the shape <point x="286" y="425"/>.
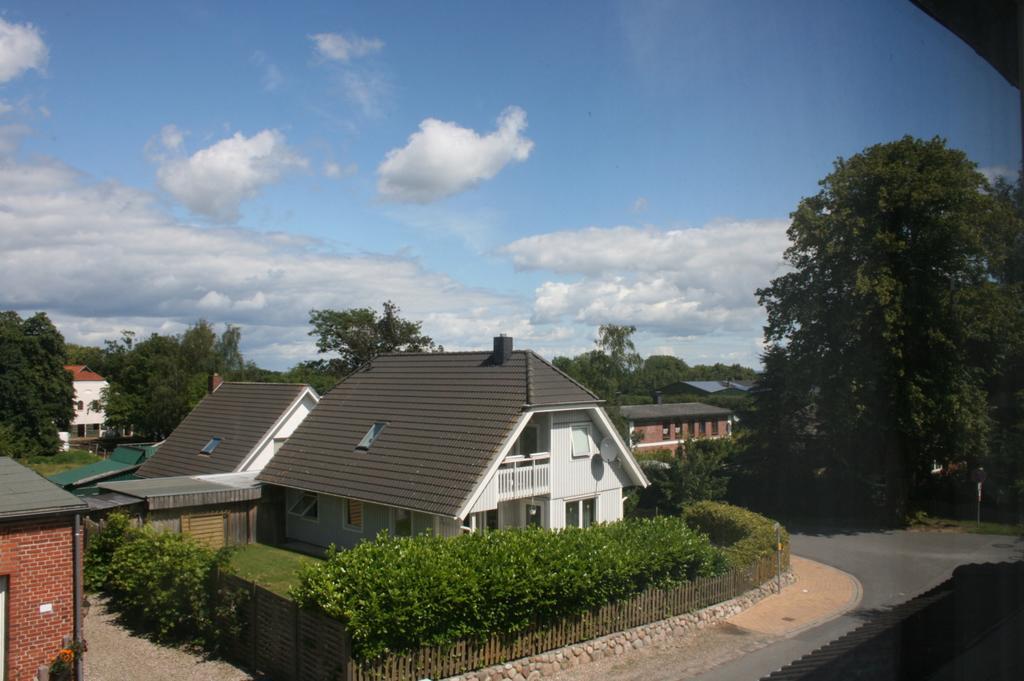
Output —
<point x="371" y="435"/>
<point x="210" y="446"/>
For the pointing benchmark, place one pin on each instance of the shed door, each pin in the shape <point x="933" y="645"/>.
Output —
<point x="207" y="528"/>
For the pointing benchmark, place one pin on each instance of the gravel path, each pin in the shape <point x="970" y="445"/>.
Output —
<point x="116" y="655"/>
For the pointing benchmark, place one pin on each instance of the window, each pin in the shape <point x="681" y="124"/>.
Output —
<point x="487" y="521"/>
<point x="354" y="514"/>
<point x="581" y="513"/>
<point x="81" y="405"/>
<point x="714" y="427"/>
<point x="210" y="446"/>
<point x="664" y="430"/>
<point x="534" y="515"/>
<point x="306" y="506"/>
<point x="371" y="435"/>
<point x="529" y="441"/>
<point x="403" y="522"/>
<point x="581" y="441"/>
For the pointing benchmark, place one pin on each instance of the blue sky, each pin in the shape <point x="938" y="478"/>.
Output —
<point x="535" y="169"/>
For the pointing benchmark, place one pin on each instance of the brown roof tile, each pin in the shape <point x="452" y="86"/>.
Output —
<point x="447" y="416"/>
<point x="240" y="414"/>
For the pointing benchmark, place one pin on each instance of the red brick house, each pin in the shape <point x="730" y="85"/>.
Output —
<point x="40" y="570"/>
<point x="665" y="426"/>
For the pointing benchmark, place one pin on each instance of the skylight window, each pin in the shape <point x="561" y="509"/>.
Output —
<point x="210" y="446"/>
<point x="371" y="435"/>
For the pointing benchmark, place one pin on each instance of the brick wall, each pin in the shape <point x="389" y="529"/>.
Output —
<point x="655" y="431"/>
<point x="35" y="555"/>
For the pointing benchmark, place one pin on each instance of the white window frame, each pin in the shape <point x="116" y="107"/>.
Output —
<point x="304" y="514"/>
<point x="371" y="435"/>
<point x="345" y="521"/>
<point x="579" y="513"/>
<point x="586" y="427"/>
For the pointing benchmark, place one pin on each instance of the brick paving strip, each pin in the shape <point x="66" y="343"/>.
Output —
<point x="116" y="655"/>
<point x="819" y="593"/>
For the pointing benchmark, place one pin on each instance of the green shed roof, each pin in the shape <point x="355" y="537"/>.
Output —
<point x="91" y="472"/>
<point x="24" y="493"/>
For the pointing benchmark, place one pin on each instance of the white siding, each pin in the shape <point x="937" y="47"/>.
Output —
<point x="87" y="392"/>
<point x="489" y="497"/>
<point x="329" y="527"/>
<point x="298" y="414"/>
<point x="585" y="475"/>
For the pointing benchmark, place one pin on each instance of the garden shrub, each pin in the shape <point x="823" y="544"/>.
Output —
<point x="398" y="594"/>
<point x="117" y="529"/>
<point x="743" y="535"/>
<point x="164" y="583"/>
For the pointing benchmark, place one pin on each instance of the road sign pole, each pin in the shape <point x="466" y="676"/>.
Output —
<point x="778" y="557"/>
<point x="979" y="505"/>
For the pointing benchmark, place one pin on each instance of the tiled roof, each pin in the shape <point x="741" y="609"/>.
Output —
<point x="240" y="414"/>
<point x="24" y="493"/>
<point x="80" y="372"/>
<point x="447" y="415"/>
<point x="672" y="410"/>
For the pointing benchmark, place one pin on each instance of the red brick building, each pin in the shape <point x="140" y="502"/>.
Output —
<point x="38" y="566"/>
<point x="665" y="426"/>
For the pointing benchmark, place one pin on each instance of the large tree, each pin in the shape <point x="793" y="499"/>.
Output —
<point x="155" y="382"/>
<point x="35" y="390"/>
<point x="359" y="334"/>
<point x="890" y="323"/>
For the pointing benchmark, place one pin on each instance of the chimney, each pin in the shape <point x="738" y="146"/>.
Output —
<point x="657" y="397"/>
<point x="502" y="349"/>
<point x="213" y="382"/>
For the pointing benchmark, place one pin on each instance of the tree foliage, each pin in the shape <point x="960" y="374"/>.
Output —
<point x="895" y="316"/>
<point x="154" y="383"/>
<point x="36" y="391"/>
<point x="357" y="335"/>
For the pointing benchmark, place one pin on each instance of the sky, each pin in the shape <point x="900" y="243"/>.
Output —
<point x="532" y="168"/>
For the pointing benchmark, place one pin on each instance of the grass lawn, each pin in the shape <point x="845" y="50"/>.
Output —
<point x="59" y="462"/>
<point x="270" y="567"/>
<point x="928" y="523"/>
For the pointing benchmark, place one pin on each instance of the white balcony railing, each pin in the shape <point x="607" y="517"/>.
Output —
<point x="525" y="477"/>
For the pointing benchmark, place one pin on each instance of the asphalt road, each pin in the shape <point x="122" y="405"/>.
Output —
<point x="892" y="567"/>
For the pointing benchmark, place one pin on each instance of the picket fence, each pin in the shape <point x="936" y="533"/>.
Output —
<point x="650" y="606"/>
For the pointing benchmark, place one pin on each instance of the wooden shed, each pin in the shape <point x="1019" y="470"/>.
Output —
<point x="219" y="510"/>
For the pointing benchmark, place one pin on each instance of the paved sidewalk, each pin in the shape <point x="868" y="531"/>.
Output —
<point x="819" y="594"/>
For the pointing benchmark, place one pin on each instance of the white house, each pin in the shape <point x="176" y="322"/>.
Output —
<point x="89" y="417"/>
<point x="449" y="443"/>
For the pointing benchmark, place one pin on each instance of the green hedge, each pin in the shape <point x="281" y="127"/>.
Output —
<point x="164" y="583"/>
<point x="399" y="594"/>
<point x="743" y="535"/>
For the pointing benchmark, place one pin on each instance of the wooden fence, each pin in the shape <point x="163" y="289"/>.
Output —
<point x="650" y="606"/>
<point x="283" y="641"/>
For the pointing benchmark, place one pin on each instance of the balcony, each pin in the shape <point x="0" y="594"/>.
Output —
<point x="524" y="476"/>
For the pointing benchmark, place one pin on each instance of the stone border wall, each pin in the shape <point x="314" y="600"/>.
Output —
<point x="623" y="642"/>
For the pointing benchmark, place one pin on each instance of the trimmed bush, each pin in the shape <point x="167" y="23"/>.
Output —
<point x="163" y="583"/>
<point x="117" y="530"/>
<point x="743" y="535"/>
<point x="396" y="595"/>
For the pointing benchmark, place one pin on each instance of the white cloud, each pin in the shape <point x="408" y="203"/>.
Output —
<point x="640" y="205"/>
<point x="272" y="78"/>
<point x="444" y="159"/>
<point x="166" y="274"/>
<point x="10" y="138"/>
<point x="215" y="180"/>
<point x="336" y="47"/>
<point x="992" y="173"/>
<point x="680" y="282"/>
<point x="336" y="171"/>
<point x="21" y="49"/>
<point x="5" y="107"/>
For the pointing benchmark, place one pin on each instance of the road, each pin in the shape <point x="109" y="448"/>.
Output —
<point x="891" y="566"/>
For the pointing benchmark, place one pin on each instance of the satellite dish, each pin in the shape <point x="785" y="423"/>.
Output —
<point x="609" y="451"/>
